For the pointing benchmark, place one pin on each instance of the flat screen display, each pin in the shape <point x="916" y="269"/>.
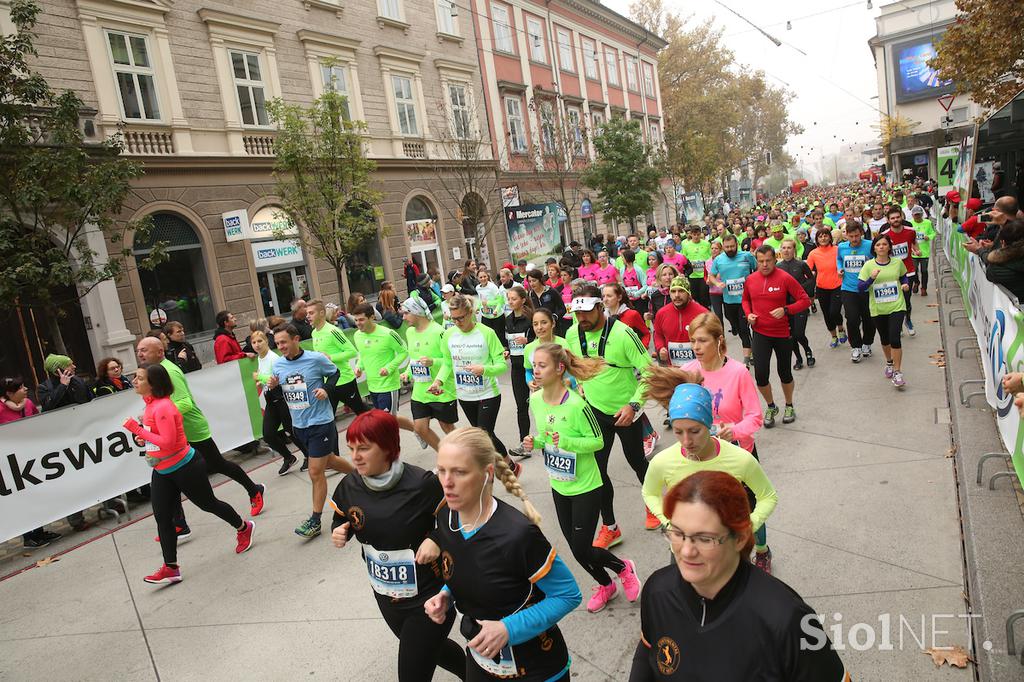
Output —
<point x="914" y="78"/>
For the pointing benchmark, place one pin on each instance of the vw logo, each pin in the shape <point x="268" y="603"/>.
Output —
<point x="383" y="557"/>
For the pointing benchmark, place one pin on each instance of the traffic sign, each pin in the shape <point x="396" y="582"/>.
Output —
<point x="946" y="101"/>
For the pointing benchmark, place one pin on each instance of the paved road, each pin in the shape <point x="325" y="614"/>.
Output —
<point x="866" y="528"/>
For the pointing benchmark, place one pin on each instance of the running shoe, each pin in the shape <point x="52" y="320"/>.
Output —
<point x="630" y="581"/>
<point x="51" y="537"/>
<point x="286" y="464"/>
<point x="911" y="330"/>
<point x="256" y="501"/>
<point x="799" y="364"/>
<point x="897" y="380"/>
<point x="814" y="308"/>
<point x="924" y="292"/>
<point x="517" y="469"/>
<point x="309" y="529"/>
<point x="601" y="596"/>
<point x="419" y="439"/>
<point x="184" y="533"/>
<point x="834" y="343"/>
<point x="810" y="359"/>
<point x="305" y="464"/>
<point x="866" y="350"/>
<point x="889" y="370"/>
<point x="842" y="336"/>
<point x="856" y="354"/>
<point x="165" y="576"/>
<point x="749" y="361"/>
<point x="35" y="542"/>
<point x="769" y="416"/>
<point x="245" y="538"/>
<point x="651" y="442"/>
<point x="789" y="416"/>
<point x="607" y="538"/>
<point x="763" y="560"/>
<point x="652" y="522"/>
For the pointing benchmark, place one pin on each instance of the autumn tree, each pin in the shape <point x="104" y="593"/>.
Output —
<point x="982" y="52"/>
<point x="623" y="172"/>
<point x="764" y="124"/>
<point x="324" y="178"/>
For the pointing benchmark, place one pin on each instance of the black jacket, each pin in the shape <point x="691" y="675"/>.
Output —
<point x="53" y="395"/>
<point x="305" y="329"/>
<point x="191" y="362"/>
<point x="1006" y="267"/>
<point x="105" y="386"/>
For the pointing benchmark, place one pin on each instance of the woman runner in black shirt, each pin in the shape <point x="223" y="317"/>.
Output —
<point x="389" y="506"/>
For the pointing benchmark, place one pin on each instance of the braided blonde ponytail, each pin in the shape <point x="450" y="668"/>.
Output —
<point x="512" y="485"/>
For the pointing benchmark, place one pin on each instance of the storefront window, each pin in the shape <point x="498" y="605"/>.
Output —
<point x="366" y="270"/>
<point x="178" y="286"/>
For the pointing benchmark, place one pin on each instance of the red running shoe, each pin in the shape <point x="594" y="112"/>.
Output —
<point x="763" y="560"/>
<point x="245" y="538"/>
<point x="607" y="538"/>
<point x="256" y="501"/>
<point x="165" y="576"/>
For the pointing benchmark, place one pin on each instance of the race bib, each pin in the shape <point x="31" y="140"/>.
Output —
<point x="392" y="572"/>
<point x="503" y="665"/>
<point x="698" y="267"/>
<point x="679" y="353"/>
<point x="886" y="292"/>
<point x="900" y="251"/>
<point x="487" y="310"/>
<point x="921" y="237"/>
<point x="464" y="379"/>
<point x="420" y="372"/>
<point x="853" y="264"/>
<point x="295" y="392"/>
<point x="514" y="348"/>
<point x="633" y="292"/>
<point x="561" y="464"/>
<point x="151" y="447"/>
<point x="734" y="287"/>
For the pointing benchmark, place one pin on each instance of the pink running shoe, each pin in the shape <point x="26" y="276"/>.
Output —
<point x="245" y="537"/>
<point x="630" y="582"/>
<point x="602" y="595"/>
<point x="165" y="576"/>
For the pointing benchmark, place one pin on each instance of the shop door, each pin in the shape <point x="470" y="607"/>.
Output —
<point x="429" y="261"/>
<point x="278" y="288"/>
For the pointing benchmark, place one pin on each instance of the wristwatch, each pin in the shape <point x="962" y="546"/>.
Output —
<point x="635" y="405"/>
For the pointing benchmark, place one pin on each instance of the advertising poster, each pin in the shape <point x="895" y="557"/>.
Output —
<point x="421" y="233"/>
<point x="914" y="78"/>
<point x="693" y="207"/>
<point x="983" y="176"/>
<point x="533" y="231"/>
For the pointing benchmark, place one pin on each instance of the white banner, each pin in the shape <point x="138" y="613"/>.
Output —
<point x="61" y="462"/>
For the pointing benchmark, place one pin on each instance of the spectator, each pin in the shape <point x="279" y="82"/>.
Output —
<point x="160" y="336"/>
<point x="1006" y="263"/>
<point x="335" y="316"/>
<point x="519" y="276"/>
<point x="505" y="280"/>
<point x="411" y="271"/>
<point x="387" y="305"/>
<point x="356" y="299"/>
<point x="225" y="346"/>
<point x="260" y="324"/>
<point x="179" y="350"/>
<point x="424" y="290"/>
<point x="469" y="276"/>
<point x="110" y="378"/>
<point x="299" y="319"/>
<point x="16" y="405"/>
<point x="572" y="255"/>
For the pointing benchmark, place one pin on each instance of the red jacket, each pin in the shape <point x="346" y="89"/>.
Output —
<point x="635" y="320"/>
<point x="226" y="347"/>
<point x="672" y="324"/>
<point x="761" y="295"/>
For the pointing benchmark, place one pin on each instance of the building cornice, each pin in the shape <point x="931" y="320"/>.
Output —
<point x="614" y="20"/>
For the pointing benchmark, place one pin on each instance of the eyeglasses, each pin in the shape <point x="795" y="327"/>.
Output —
<point x="702" y="541"/>
<point x="460" y="318"/>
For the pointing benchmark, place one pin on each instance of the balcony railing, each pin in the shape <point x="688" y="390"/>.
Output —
<point x="35" y="121"/>
<point x="258" y="145"/>
<point x="147" y="142"/>
<point x="414" y="149"/>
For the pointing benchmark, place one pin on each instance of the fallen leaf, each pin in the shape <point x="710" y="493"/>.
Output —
<point x="47" y="561"/>
<point x="956" y="656"/>
<point x="931" y="321"/>
<point x="951" y="452"/>
<point x="933" y="305"/>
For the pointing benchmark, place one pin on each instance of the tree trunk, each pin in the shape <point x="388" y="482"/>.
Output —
<point x="340" y="276"/>
<point x="53" y="330"/>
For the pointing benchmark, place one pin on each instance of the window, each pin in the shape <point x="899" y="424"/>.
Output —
<point x="536" y="37"/>
<point x="446" y="21"/>
<point x="502" y="28"/>
<point x="392" y="9"/>
<point x="421" y="230"/>
<point x="598" y="122"/>
<point x="516" y="130"/>
<point x="631" y="75"/>
<point x="336" y="80"/>
<point x="460" y="111"/>
<point x="133" y="71"/>
<point x="612" y="63"/>
<point x="573" y="115"/>
<point x="178" y="285"/>
<point x="547" y="127"/>
<point x="655" y="136"/>
<point x="648" y="80"/>
<point x="590" y="59"/>
<point x="405" y="104"/>
<point x="250" y="88"/>
<point x="565" y="61"/>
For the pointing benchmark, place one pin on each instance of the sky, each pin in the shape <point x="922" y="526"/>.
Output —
<point x="835" y="84"/>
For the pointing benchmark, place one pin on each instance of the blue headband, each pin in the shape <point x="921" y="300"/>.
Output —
<point x="691" y="401"/>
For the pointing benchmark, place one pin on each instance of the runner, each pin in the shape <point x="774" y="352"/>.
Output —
<point x="476" y="358"/>
<point x="798" y="270"/>
<point x="613" y="296"/>
<point x="569" y="435"/>
<point x="823" y="263"/>
<point x="149" y="352"/>
<point x="492" y="303"/>
<point x="614" y="396"/>
<point x="335" y="344"/>
<point x="499" y="570"/>
<point x="382" y="351"/>
<point x="729" y="271"/>
<point x="675" y="259"/>
<point x="658" y="293"/>
<point x="710" y="616"/>
<point x="544" y="330"/>
<point x="925" y="234"/>
<point x="588" y="270"/>
<point x="518" y="332"/>
<point x="632" y="277"/>
<point x="765" y="305"/>
<point x="904" y="247"/>
<point x="850" y="258"/>
<point x="882" y="278"/>
<point x="671" y="333"/>
<point x="542" y="296"/>
<point x="304" y="378"/>
<point x="277" y="420"/>
<point x="697" y="252"/>
<point x="177" y="471"/>
<point x="425" y="357"/>
<point x="690" y="407"/>
<point x="715" y="292"/>
<point x="606" y="272"/>
<point x="390" y="507"/>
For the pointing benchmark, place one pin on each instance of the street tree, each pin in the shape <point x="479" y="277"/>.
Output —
<point x="324" y="179"/>
<point x="562" y="154"/>
<point x="623" y="172"/>
<point x="982" y="52"/>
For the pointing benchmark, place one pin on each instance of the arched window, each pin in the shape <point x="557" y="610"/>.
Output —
<point x="365" y="268"/>
<point x="178" y="286"/>
<point x="421" y="228"/>
<point x="474" y="217"/>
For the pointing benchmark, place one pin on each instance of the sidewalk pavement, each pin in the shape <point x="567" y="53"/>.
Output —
<point x="866" y="530"/>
